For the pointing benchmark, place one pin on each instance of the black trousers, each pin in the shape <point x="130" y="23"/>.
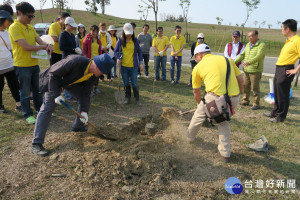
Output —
<point x="55" y="58"/>
<point x="282" y="86"/>
<point x="13" y="84"/>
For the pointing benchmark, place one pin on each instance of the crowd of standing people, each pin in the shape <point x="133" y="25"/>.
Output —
<point x="78" y="60"/>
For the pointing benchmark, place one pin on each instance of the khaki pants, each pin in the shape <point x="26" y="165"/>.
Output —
<point x="252" y="81"/>
<point x="223" y="127"/>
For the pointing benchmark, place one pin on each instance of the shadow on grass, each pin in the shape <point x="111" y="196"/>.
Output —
<point x="285" y="168"/>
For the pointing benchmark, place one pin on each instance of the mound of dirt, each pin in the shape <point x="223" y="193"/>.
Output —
<point x="136" y="166"/>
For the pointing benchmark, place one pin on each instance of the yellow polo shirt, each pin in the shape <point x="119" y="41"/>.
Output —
<point x="94" y="49"/>
<point x="212" y="71"/>
<point x="86" y="75"/>
<point x="103" y="40"/>
<point x="160" y="44"/>
<point x="19" y="31"/>
<point x="177" y="44"/>
<point x="55" y="30"/>
<point x="81" y="42"/>
<point x="128" y="51"/>
<point x="290" y="52"/>
<point x="114" y="41"/>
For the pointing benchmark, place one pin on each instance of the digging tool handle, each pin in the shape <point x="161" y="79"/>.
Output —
<point x="76" y="113"/>
<point x="89" y="123"/>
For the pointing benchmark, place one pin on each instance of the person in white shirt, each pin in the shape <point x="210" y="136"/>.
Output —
<point x="234" y="48"/>
<point x="6" y="62"/>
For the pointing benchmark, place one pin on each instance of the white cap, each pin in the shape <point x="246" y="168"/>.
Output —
<point x="81" y="26"/>
<point x="200" y="35"/>
<point x="200" y="49"/>
<point x="71" y="22"/>
<point x="128" y="29"/>
<point x="111" y="28"/>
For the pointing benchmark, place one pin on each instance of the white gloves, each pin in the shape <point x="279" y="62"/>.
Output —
<point x="58" y="99"/>
<point x="78" y="51"/>
<point x="161" y="53"/>
<point x="85" y="119"/>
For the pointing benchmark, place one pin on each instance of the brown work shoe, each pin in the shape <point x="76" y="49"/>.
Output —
<point x="244" y="103"/>
<point x="255" y="107"/>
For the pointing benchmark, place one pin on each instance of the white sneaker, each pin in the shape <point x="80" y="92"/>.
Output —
<point x="138" y="76"/>
<point x="172" y="82"/>
<point x="148" y="76"/>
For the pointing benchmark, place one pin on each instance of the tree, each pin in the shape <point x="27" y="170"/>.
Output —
<point x="270" y="26"/>
<point x="42" y="3"/>
<point x="61" y="4"/>
<point x="93" y="5"/>
<point x="219" y="20"/>
<point x="144" y="10"/>
<point x="279" y="23"/>
<point x="251" y="5"/>
<point x="263" y="23"/>
<point x="10" y="2"/>
<point x="154" y="5"/>
<point x="185" y="4"/>
<point x="255" y="23"/>
<point x="103" y="3"/>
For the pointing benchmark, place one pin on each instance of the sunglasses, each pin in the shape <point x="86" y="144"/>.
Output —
<point x="31" y="16"/>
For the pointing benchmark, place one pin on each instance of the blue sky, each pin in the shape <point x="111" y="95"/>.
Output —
<point x="202" y="11"/>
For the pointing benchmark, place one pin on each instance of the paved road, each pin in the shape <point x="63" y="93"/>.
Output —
<point x="269" y="64"/>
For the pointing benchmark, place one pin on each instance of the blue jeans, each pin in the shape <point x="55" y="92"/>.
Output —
<point x="115" y="67"/>
<point x="129" y="73"/>
<point x="178" y="64"/>
<point x="28" y="78"/>
<point x="146" y="61"/>
<point x="160" y="62"/>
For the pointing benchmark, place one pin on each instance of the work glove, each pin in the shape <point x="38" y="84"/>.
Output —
<point x="161" y="53"/>
<point x="58" y="99"/>
<point x="78" y="51"/>
<point x="85" y="119"/>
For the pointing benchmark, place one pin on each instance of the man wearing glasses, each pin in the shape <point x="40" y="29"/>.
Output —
<point x="234" y="48"/>
<point x="23" y="38"/>
<point x="177" y="44"/>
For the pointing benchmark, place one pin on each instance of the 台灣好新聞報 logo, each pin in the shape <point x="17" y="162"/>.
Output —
<point x="233" y="186"/>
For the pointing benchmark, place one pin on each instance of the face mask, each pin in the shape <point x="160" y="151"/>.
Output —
<point x="102" y="31"/>
<point x="200" y="40"/>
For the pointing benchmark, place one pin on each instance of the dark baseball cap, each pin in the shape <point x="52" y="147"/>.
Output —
<point x="104" y="63"/>
<point x="236" y="33"/>
<point x="5" y="15"/>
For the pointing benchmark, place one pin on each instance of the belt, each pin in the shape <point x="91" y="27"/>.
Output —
<point x="218" y="95"/>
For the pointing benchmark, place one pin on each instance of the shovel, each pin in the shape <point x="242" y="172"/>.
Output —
<point x="120" y="94"/>
<point x="101" y="135"/>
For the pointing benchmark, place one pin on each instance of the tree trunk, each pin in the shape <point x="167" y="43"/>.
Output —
<point x="155" y="20"/>
<point x="41" y="15"/>
<point x="52" y="4"/>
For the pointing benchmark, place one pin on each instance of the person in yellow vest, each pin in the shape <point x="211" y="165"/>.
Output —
<point x="55" y="30"/>
<point x="106" y="42"/>
<point x="132" y="58"/>
<point x="285" y="71"/>
<point x="92" y="48"/>
<point x="23" y="38"/>
<point x="81" y="33"/>
<point x="160" y="44"/>
<point x="113" y="33"/>
<point x="177" y="43"/>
